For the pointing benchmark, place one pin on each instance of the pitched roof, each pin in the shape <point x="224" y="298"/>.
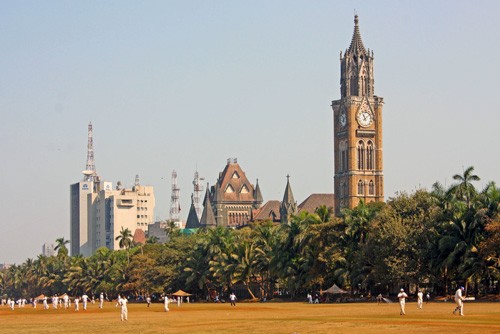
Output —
<point x="207" y="216"/>
<point x="139" y="236"/>
<point x="288" y="196"/>
<point x="233" y="184"/>
<point x="192" y="220"/>
<point x="357" y="46"/>
<point x="316" y="200"/>
<point x="270" y="210"/>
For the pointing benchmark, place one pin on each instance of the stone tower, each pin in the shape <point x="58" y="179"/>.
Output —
<point x="357" y="128"/>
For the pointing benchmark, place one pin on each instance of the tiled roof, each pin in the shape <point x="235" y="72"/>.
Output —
<point x="139" y="236"/>
<point x="233" y="177"/>
<point x="270" y="210"/>
<point x="316" y="200"/>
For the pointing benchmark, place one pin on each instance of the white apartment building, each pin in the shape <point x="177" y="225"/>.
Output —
<point x="117" y="209"/>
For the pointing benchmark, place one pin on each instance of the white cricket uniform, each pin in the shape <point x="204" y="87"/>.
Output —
<point x="101" y="300"/>
<point x="420" y="299"/>
<point x="77" y="300"/>
<point x="402" y="301"/>
<point x="124" y="312"/>
<point x="459" y="301"/>
<point x="84" y="301"/>
<point x="166" y="302"/>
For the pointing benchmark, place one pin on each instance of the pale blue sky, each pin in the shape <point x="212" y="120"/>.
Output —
<point x="187" y="84"/>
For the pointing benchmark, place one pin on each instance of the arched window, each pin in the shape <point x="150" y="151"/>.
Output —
<point x="371" y="188"/>
<point x="361" y="187"/>
<point x="361" y="155"/>
<point x="343" y="156"/>
<point x="370" y="156"/>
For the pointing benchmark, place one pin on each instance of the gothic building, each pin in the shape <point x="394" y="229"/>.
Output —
<point x="232" y="199"/>
<point x="357" y="119"/>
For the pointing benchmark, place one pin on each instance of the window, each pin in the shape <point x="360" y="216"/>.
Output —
<point x="360" y="187"/>
<point x="244" y="189"/>
<point x="361" y="154"/>
<point x="343" y="156"/>
<point x="229" y="189"/>
<point x="370" y="156"/>
<point x="371" y="188"/>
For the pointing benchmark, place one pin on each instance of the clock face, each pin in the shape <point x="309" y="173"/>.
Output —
<point x="364" y="118"/>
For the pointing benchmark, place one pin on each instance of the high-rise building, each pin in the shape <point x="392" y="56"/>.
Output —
<point x="79" y="206"/>
<point x="357" y="118"/>
<point x="98" y="212"/>
<point x="113" y="210"/>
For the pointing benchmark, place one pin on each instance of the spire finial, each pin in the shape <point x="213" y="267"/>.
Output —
<point x="356" y="20"/>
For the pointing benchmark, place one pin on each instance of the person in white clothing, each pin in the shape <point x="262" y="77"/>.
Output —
<point x="459" y="300"/>
<point x="85" y="299"/>
<point x="178" y="301"/>
<point x="12" y="304"/>
<point x="166" y="302"/>
<point x="54" y="302"/>
<point x="420" y="299"/>
<point x="77" y="300"/>
<point x="66" y="301"/>
<point x="124" y="311"/>
<point x="402" y="301"/>
<point x="232" y="298"/>
<point x="101" y="300"/>
<point x="45" y="304"/>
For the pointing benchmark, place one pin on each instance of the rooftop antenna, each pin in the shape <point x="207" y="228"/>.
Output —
<point x="90" y="173"/>
<point x="175" y="207"/>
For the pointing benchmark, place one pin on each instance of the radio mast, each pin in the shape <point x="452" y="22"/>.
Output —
<point x="175" y="207"/>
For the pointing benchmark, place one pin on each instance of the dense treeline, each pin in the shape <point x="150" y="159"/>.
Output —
<point x="434" y="239"/>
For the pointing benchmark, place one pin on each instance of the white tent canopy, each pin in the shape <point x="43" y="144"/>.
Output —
<point x="334" y="289"/>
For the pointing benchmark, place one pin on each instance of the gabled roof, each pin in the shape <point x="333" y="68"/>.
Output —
<point x="316" y="200"/>
<point x="270" y="210"/>
<point x="230" y="184"/>
<point x="357" y="46"/>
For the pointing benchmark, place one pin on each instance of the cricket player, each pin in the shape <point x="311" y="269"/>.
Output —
<point x="85" y="298"/>
<point x="124" y="311"/>
<point x="45" y="304"/>
<point x="420" y="299"/>
<point x="66" y="301"/>
<point x="459" y="300"/>
<point x="101" y="300"/>
<point x="77" y="300"/>
<point x="402" y="301"/>
<point x="165" y="302"/>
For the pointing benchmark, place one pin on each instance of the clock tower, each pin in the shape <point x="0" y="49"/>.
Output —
<point x="357" y="129"/>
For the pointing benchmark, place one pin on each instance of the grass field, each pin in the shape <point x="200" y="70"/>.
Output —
<point x="256" y="318"/>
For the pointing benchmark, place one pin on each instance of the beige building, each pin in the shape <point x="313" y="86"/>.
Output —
<point x="120" y="208"/>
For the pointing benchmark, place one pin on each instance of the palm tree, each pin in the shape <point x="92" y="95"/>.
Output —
<point x="125" y="241"/>
<point x="61" y="247"/>
<point x="465" y="190"/>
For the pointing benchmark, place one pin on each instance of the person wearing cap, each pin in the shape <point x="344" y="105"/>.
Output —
<point x="459" y="300"/>
<point x="402" y="300"/>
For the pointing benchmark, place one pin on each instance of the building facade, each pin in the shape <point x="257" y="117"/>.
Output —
<point x="48" y="249"/>
<point x="357" y="118"/>
<point x="114" y="209"/>
<point x="232" y="199"/>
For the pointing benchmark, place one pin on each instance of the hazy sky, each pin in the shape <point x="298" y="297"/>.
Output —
<point x="185" y="85"/>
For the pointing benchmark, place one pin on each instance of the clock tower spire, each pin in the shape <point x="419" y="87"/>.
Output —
<point x="357" y="119"/>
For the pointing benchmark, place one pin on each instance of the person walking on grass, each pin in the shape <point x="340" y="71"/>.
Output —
<point x="101" y="300"/>
<point x="459" y="300"/>
<point x="232" y="298"/>
<point x="402" y="301"/>
<point x="85" y="299"/>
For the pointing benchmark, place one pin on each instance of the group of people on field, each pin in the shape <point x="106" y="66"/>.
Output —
<point x="459" y="301"/>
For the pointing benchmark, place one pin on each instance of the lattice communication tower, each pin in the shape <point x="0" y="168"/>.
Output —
<point x="175" y="207"/>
